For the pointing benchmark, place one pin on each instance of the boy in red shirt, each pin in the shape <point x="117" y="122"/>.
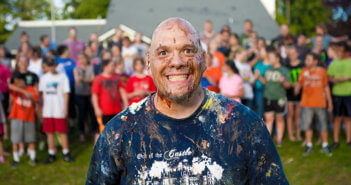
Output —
<point x="22" y="117"/>
<point x="315" y="100"/>
<point x="108" y="93"/>
<point x="139" y="85"/>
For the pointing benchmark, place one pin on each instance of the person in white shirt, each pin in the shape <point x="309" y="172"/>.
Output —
<point x="54" y="89"/>
<point x="140" y="46"/>
<point x="246" y="74"/>
<point x="35" y="62"/>
<point x="129" y="52"/>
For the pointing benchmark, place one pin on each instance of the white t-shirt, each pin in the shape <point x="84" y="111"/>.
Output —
<point x="128" y="55"/>
<point x="141" y="48"/>
<point x="54" y="87"/>
<point x="36" y="67"/>
<point x="246" y="74"/>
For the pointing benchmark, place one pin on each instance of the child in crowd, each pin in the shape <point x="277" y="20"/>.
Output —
<point x="315" y="99"/>
<point x="66" y="65"/>
<point x="54" y="89"/>
<point x="212" y="75"/>
<point x="2" y="131"/>
<point x="276" y="81"/>
<point x="119" y="70"/>
<point x="108" y="94"/>
<point x="231" y="84"/>
<point x="139" y="85"/>
<point x="22" y="117"/>
<point x="294" y="64"/>
<point x="260" y="69"/>
<point x="246" y="74"/>
<point x="339" y="72"/>
<point x="84" y="76"/>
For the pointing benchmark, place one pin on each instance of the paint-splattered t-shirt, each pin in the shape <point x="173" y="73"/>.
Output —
<point x="222" y="142"/>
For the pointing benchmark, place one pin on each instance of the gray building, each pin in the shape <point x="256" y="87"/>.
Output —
<point x="144" y="15"/>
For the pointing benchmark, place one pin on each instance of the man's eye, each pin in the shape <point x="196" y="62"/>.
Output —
<point x="162" y="53"/>
<point x="188" y="51"/>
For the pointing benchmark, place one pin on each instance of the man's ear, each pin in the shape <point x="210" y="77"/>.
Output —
<point x="147" y="62"/>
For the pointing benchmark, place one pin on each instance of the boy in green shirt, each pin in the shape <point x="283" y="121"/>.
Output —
<point x="339" y="72"/>
<point x="276" y="81"/>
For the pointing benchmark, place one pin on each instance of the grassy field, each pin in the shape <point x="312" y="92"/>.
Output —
<point x="313" y="169"/>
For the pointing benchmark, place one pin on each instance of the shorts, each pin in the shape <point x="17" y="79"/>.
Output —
<point x="107" y="118"/>
<point x="72" y="113"/>
<point x="275" y="106"/>
<point x="1" y="129"/>
<point x="22" y="131"/>
<point x="307" y="115"/>
<point x="52" y="125"/>
<point x="342" y="106"/>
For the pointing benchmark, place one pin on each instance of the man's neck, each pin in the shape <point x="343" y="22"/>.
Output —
<point x="179" y="110"/>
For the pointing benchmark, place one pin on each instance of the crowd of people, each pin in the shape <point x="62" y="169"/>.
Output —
<point x="301" y="83"/>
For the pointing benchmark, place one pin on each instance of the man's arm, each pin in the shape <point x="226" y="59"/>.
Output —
<point x="264" y="166"/>
<point x="105" y="165"/>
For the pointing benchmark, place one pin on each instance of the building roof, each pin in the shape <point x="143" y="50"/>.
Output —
<point x="144" y="15"/>
<point x="35" y="29"/>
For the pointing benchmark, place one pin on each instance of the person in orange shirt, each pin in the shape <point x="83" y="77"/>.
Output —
<point x="22" y="117"/>
<point x="211" y="76"/>
<point x="315" y="100"/>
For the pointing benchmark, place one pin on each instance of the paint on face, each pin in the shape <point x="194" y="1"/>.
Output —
<point x="177" y="65"/>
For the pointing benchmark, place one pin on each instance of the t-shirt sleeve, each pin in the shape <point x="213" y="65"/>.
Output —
<point x="66" y="87"/>
<point x="129" y="85"/>
<point x="286" y="74"/>
<point x="96" y="87"/>
<point x="331" y="69"/>
<point x="41" y="84"/>
<point x="264" y="165"/>
<point x="302" y="76"/>
<point x="105" y="165"/>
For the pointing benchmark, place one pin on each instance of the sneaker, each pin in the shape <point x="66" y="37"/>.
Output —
<point x="50" y="159"/>
<point x="307" y="151"/>
<point x="327" y="151"/>
<point x="2" y="159"/>
<point x="67" y="157"/>
<point x="15" y="164"/>
<point x="335" y="145"/>
<point x="33" y="162"/>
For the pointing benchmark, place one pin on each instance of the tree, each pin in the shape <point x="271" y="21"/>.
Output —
<point x="302" y="15"/>
<point x="87" y="9"/>
<point x="14" y="10"/>
<point x="341" y="15"/>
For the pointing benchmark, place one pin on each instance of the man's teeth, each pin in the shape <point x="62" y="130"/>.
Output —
<point x="177" y="77"/>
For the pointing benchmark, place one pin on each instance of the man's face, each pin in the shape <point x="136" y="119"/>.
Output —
<point x="208" y="26"/>
<point x="319" y="41"/>
<point x="46" y="41"/>
<point x="248" y="26"/>
<point x="72" y="33"/>
<point x="176" y="61"/>
<point x="284" y="30"/>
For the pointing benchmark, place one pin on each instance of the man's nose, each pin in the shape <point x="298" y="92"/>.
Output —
<point x="177" y="61"/>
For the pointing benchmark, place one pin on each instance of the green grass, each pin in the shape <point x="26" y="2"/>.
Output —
<point x="313" y="169"/>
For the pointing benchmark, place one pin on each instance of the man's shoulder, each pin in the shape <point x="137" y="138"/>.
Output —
<point x="229" y="110"/>
<point x="129" y="116"/>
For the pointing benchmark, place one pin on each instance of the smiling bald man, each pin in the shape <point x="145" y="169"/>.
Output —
<point x="184" y="134"/>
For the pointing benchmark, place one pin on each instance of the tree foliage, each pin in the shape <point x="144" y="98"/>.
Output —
<point x="14" y="10"/>
<point x="302" y="15"/>
<point x="86" y="9"/>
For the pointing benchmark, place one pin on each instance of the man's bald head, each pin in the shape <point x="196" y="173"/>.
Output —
<point x="175" y="22"/>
